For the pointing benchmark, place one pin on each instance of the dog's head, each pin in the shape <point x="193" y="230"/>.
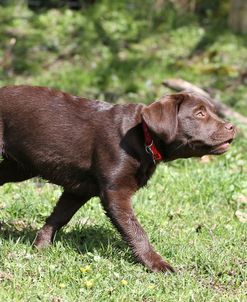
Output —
<point x="187" y="125"/>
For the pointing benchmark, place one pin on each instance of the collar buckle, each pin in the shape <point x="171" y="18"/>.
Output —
<point x="149" y="144"/>
<point x="149" y="150"/>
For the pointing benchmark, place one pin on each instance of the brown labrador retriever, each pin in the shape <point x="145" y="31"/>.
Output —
<point x="92" y="148"/>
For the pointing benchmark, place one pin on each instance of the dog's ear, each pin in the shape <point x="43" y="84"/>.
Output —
<point x="162" y="115"/>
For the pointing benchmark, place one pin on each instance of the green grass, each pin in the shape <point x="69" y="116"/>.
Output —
<point x="193" y="211"/>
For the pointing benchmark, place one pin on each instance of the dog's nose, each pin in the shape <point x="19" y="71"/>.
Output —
<point x="230" y="127"/>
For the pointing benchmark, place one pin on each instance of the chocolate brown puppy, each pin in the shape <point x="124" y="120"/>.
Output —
<point x="92" y="148"/>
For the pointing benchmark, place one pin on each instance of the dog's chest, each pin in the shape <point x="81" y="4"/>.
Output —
<point x="144" y="173"/>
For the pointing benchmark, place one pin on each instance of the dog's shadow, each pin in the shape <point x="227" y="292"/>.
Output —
<point x="85" y="239"/>
<point x="82" y="239"/>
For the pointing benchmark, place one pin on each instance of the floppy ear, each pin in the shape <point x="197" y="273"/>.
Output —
<point x="161" y="116"/>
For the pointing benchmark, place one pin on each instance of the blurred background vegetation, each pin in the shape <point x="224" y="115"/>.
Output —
<point x="121" y="51"/>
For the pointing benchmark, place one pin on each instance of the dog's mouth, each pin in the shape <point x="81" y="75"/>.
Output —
<point x="222" y="147"/>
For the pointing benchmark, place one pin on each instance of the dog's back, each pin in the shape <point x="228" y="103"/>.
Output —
<point x="46" y="130"/>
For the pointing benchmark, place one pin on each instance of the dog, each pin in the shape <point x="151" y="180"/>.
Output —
<point x="92" y="148"/>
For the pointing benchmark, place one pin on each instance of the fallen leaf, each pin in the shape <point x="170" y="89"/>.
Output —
<point x="242" y="217"/>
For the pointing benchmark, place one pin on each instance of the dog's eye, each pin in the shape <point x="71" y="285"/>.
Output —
<point x="200" y="114"/>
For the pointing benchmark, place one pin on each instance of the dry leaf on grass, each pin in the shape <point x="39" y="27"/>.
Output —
<point x="242" y="216"/>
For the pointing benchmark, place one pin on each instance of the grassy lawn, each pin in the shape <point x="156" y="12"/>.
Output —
<point x="193" y="210"/>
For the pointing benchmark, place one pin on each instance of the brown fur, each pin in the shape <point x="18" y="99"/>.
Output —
<point x="92" y="148"/>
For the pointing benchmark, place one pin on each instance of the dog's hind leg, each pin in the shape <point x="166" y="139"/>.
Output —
<point x="66" y="207"/>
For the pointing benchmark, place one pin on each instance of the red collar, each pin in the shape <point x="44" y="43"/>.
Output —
<point x="149" y="144"/>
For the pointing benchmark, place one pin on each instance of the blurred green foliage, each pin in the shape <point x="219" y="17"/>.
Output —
<point x="121" y="51"/>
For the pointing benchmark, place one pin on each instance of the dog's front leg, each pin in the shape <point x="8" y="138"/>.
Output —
<point x="117" y="204"/>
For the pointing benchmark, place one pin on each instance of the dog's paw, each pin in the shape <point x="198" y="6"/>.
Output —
<point x="42" y="240"/>
<point x="162" y="266"/>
